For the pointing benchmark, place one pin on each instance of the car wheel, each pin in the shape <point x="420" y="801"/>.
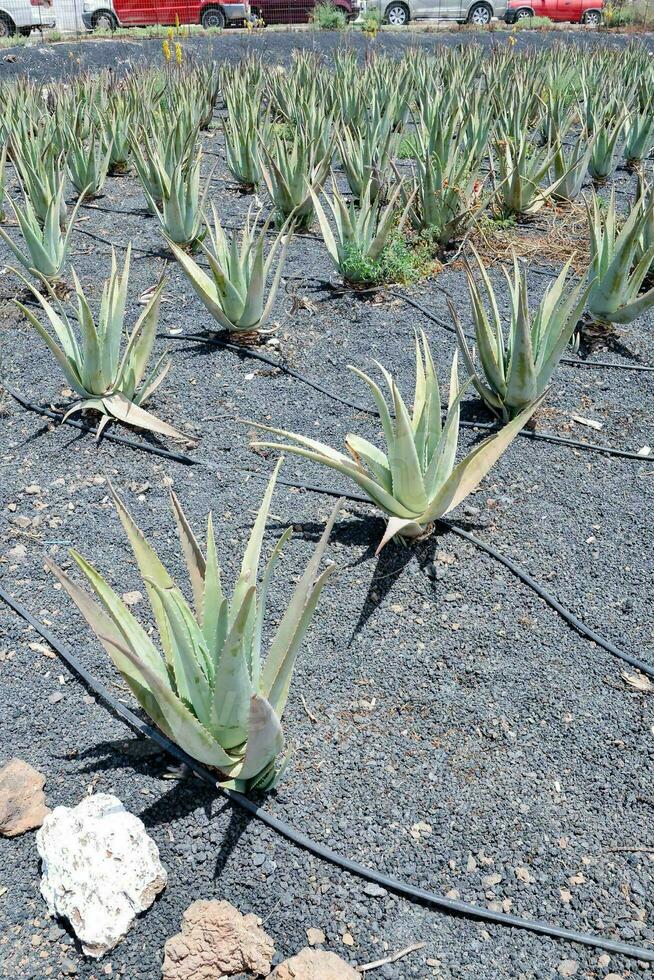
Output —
<point x="523" y="14"/>
<point x="212" y="17"/>
<point x="480" y="14"/>
<point x="397" y="15"/>
<point x="592" y="17"/>
<point x="104" y="20"/>
<point x="7" y="26"/>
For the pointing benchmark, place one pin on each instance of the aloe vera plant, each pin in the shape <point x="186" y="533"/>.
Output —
<point x="366" y="154"/>
<point x="114" y="385"/>
<point x="644" y="204"/>
<point x="570" y="166"/>
<point x="235" y="292"/>
<point x="88" y="164"/>
<point x="292" y="171"/>
<point x="3" y="175"/>
<point x="415" y="481"/>
<point x="639" y="134"/>
<point x="515" y="371"/>
<point x="602" y="160"/>
<point x="208" y="687"/>
<point x="46" y="245"/>
<point x="521" y="169"/>
<point x="182" y="204"/>
<point x="242" y="150"/>
<point x="447" y="197"/>
<point x="362" y="233"/>
<point x="617" y="270"/>
<point x="40" y="168"/>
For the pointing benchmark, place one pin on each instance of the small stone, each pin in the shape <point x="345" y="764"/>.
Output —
<point x="348" y="939"/>
<point x="604" y="960"/>
<point x="217" y="940"/>
<point x="567" y="968"/>
<point x="613" y="976"/>
<point x="55" y="698"/>
<point x="374" y="891"/>
<point x="314" y="964"/>
<point x="22" y="800"/>
<point x="100" y="869"/>
<point x="490" y="880"/>
<point x="68" y="967"/>
<point x="315" y="937"/>
<point x="18" y="553"/>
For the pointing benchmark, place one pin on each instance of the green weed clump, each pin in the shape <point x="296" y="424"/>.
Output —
<point x="327" y="17"/>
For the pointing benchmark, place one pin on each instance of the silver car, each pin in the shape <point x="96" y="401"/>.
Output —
<point x="400" y="12"/>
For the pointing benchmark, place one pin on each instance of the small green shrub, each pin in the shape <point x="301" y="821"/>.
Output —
<point x="533" y="23"/>
<point x="408" y="148"/>
<point x="327" y="17"/>
<point x="617" y="15"/>
<point x="371" y="22"/>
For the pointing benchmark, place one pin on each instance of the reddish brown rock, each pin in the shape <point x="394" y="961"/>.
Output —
<point x="314" y="964"/>
<point x="22" y="800"/>
<point x="217" y="941"/>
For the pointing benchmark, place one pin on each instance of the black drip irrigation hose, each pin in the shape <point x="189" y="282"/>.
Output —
<point x="573" y="362"/>
<point x="513" y="567"/>
<point x="245" y="351"/>
<point x="305" y="842"/>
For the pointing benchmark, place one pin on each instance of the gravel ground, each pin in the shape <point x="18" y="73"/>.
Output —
<point x="68" y="58"/>
<point x="437" y="689"/>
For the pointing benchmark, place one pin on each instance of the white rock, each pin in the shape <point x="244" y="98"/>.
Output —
<point x="100" y="869"/>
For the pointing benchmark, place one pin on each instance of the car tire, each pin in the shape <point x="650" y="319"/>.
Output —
<point x="592" y="17"/>
<point x="212" y="17"/>
<point x="523" y="13"/>
<point x="397" y="14"/>
<point x="104" y="20"/>
<point x="7" y="26"/>
<point x="24" y="31"/>
<point x="480" y="14"/>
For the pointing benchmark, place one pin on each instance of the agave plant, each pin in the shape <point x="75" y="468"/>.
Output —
<point x="516" y="371"/>
<point x="234" y="293"/>
<point x="47" y="245"/>
<point x="362" y="233"/>
<point x="209" y="689"/>
<point x="107" y="383"/>
<point x="521" y="169"/>
<point x="416" y="481"/>
<point x="88" y="164"/>
<point x="292" y="171"/>
<point x="618" y="273"/>
<point x="181" y="207"/>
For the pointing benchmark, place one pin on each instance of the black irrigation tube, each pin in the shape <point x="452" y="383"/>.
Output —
<point x="488" y="426"/>
<point x="513" y="567"/>
<point x="574" y="362"/>
<point x="305" y="842"/>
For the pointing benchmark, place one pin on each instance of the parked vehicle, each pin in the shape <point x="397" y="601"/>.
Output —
<point x="297" y="11"/>
<point x="577" y="11"/>
<point x="400" y="12"/>
<point x="22" y="16"/>
<point x="108" y="15"/>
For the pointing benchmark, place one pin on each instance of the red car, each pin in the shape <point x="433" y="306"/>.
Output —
<point x="140" y="13"/>
<point x="577" y="11"/>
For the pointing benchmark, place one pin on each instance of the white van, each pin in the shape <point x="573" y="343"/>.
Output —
<point x="400" y="12"/>
<point x="22" y="16"/>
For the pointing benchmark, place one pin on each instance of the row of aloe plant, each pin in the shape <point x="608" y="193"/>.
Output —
<point x="210" y="688"/>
